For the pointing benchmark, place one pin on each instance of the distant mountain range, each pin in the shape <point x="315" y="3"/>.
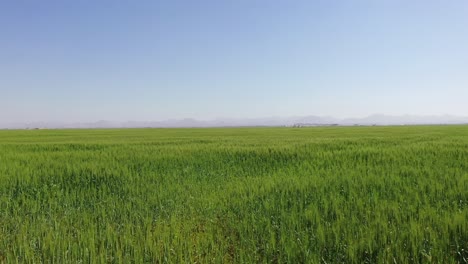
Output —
<point x="377" y="119"/>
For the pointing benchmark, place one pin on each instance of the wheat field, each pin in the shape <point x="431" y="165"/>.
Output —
<point x="235" y="195"/>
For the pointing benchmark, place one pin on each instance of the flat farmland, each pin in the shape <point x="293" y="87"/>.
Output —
<point x="235" y="195"/>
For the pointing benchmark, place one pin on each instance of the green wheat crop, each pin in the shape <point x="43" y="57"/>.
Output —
<point x="235" y="195"/>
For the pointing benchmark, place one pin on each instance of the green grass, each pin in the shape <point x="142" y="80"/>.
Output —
<point x="235" y="195"/>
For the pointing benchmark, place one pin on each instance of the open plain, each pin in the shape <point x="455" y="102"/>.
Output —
<point x="235" y="195"/>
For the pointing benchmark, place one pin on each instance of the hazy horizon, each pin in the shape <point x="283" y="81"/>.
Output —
<point x="274" y="121"/>
<point x="84" y="61"/>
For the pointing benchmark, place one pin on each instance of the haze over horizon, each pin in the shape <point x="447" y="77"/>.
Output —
<point x="83" y="61"/>
<point x="275" y="121"/>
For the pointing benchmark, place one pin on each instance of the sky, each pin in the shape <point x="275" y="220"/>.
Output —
<point x="87" y="60"/>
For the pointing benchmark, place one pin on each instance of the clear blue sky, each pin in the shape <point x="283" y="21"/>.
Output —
<point x="141" y="60"/>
